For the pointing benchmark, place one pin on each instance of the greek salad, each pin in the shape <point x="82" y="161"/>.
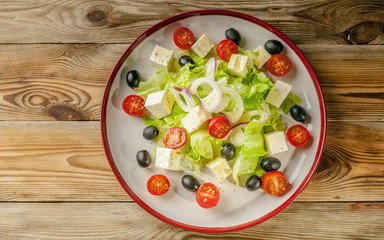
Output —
<point x="213" y="106"/>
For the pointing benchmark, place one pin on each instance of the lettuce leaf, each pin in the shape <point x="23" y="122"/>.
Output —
<point x="289" y="102"/>
<point x="155" y="83"/>
<point x="249" y="158"/>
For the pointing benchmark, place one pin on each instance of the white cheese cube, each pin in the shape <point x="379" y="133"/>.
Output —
<point x="263" y="56"/>
<point x="161" y="57"/>
<point x="159" y="104"/>
<point x="167" y="158"/>
<point x="220" y="168"/>
<point x="237" y="65"/>
<point x="195" y="118"/>
<point x="277" y="95"/>
<point x="275" y="142"/>
<point x="202" y="46"/>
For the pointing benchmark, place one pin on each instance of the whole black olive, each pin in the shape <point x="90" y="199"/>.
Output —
<point x="273" y="46"/>
<point x="270" y="164"/>
<point x="185" y="60"/>
<point x="190" y="183"/>
<point x="133" y="79"/>
<point x="253" y="183"/>
<point x="298" y="113"/>
<point x="234" y="35"/>
<point x="150" y="132"/>
<point x="143" y="158"/>
<point x="228" y="152"/>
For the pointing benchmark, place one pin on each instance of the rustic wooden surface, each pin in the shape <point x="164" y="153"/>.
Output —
<point x="55" y="58"/>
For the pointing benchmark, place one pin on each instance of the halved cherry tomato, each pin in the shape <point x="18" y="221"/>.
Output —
<point x="298" y="135"/>
<point x="134" y="105"/>
<point x="226" y="48"/>
<point x="158" y="184"/>
<point x="183" y="38"/>
<point x="275" y="183"/>
<point x="207" y="195"/>
<point x="279" y="64"/>
<point x="175" y="137"/>
<point x="218" y="127"/>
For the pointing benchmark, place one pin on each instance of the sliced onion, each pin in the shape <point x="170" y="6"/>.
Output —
<point x="212" y="101"/>
<point x="224" y="103"/>
<point x="211" y="67"/>
<point x="235" y="114"/>
<point x="241" y="125"/>
<point x="222" y="81"/>
<point x="186" y="105"/>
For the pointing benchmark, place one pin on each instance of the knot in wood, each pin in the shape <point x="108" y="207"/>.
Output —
<point x="96" y="15"/>
<point x="364" y="32"/>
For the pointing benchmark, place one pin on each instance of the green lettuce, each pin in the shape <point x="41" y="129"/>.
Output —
<point x="155" y="83"/>
<point x="249" y="158"/>
<point x="289" y="102"/>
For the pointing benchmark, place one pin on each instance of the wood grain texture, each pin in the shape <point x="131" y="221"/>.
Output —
<point x="66" y="81"/>
<point x="128" y="221"/>
<point x="118" y="21"/>
<point x="63" y="161"/>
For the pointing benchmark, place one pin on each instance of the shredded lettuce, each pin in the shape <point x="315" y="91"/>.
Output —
<point x="203" y="148"/>
<point x="289" y="102"/>
<point x="155" y="83"/>
<point x="249" y="158"/>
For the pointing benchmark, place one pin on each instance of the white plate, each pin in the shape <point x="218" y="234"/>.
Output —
<point x="237" y="208"/>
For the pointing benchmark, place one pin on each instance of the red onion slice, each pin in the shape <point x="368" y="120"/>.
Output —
<point x="188" y="102"/>
<point x="235" y="114"/>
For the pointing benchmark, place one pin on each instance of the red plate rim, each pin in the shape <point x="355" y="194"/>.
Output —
<point x="262" y="24"/>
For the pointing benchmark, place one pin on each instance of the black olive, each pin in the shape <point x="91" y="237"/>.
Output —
<point x="270" y="164"/>
<point x="133" y="79"/>
<point x="228" y="152"/>
<point x="143" y="158"/>
<point x="298" y="113"/>
<point x="253" y="183"/>
<point x="150" y="132"/>
<point x="190" y="183"/>
<point x="234" y="35"/>
<point x="186" y="59"/>
<point x="273" y="46"/>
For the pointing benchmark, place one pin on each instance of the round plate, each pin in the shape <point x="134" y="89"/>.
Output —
<point x="237" y="208"/>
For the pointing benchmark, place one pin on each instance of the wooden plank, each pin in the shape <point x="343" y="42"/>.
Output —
<point x="119" y="21"/>
<point x="129" y="221"/>
<point x="66" y="81"/>
<point x="65" y="161"/>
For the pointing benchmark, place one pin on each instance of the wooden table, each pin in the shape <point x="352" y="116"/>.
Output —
<point x="55" y="59"/>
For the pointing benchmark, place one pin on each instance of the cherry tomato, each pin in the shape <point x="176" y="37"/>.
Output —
<point x="298" y="135"/>
<point x="134" y="105"/>
<point x="174" y="138"/>
<point x="279" y="64"/>
<point x="158" y="184"/>
<point x="183" y="38"/>
<point x="218" y="127"/>
<point x="275" y="183"/>
<point x="207" y="195"/>
<point x="226" y="48"/>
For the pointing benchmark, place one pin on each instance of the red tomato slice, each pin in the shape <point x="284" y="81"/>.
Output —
<point x="226" y="48"/>
<point x="218" y="127"/>
<point x="275" y="183"/>
<point x="183" y="38"/>
<point x="298" y="135"/>
<point x="158" y="184"/>
<point x="175" y="137"/>
<point x="279" y="64"/>
<point x="134" y="105"/>
<point x="207" y="195"/>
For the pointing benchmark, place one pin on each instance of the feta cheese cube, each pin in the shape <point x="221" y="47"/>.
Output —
<point x="277" y="95"/>
<point x="202" y="46"/>
<point x="159" y="104"/>
<point x="237" y="65"/>
<point x="161" y="57"/>
<point x="275" y="142"/>
<point x="195" y="118"/>
<point x="263" y="56"/>
<point x="220" y="168"/>
<point x="167" y="158"/>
